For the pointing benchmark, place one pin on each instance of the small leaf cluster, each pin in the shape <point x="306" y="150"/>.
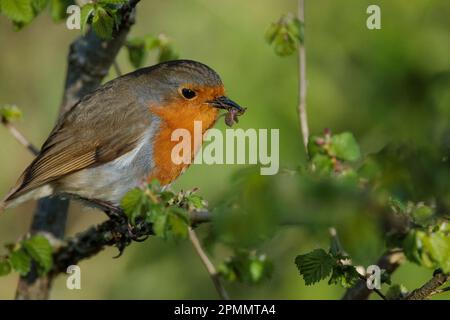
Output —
<point x="319" y="264"/>
<point x="285" y="35"/>
<point x="36" y="248"/>
<point x="246" y="267"/>
<point x="426" y="240"/>
<point x="103" y="16"/>
<point x="23" y="12"/>
<point x="332" y="153"/>
<point x="139" y="47"/>
<point x="9" y="113"/>
<point x="166" y="211"/>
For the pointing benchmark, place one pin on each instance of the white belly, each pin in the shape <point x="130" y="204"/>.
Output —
<point x="110" y="181"/>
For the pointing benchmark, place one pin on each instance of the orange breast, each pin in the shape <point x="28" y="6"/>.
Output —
<point x="175" y="116"/>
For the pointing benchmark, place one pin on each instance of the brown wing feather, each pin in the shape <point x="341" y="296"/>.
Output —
<point x="91" y="133"/>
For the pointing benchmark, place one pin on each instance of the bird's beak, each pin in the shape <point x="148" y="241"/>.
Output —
<point x="226" y="104"/>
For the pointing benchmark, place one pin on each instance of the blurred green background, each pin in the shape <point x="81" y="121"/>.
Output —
<point x="383" y="85"/>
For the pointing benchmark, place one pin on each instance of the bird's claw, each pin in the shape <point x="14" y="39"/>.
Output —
<point x="133" y="234"/>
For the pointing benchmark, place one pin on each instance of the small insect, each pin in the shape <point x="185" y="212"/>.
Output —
<point x="231" y="117"/>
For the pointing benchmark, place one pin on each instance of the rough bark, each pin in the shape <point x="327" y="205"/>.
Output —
<point x="429" y="288"/>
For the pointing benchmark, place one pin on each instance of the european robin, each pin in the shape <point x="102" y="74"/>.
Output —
<point x="119" y="136"/>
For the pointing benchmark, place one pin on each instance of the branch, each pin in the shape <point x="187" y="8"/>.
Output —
<point x="208" y="265"/>
<point x="390" y="261"/>
<point x="89" y="61"/>
<point x="109" y="233"/>
<point x="430" y="288"/>
<point x="303" y="117"/>
<point x="20" y="137"/>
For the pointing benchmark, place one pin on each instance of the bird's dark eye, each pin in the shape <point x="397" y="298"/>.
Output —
<point x="188" y="93"/>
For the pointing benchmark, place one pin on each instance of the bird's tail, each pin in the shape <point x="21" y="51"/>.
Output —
<point x="3" y="205"/>
<point x="9" y="200"/>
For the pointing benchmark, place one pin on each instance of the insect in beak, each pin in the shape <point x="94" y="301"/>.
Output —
<point x="234" y="110"/>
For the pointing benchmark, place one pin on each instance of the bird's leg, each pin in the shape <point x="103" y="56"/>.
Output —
<point x="113" y="212"/>
<point x="118" y="217"/>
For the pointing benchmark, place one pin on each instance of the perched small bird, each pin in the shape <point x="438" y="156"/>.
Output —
<point x="119" y="136"/>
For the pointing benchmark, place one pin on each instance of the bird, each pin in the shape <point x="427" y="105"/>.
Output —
<point x="118" y="137"/>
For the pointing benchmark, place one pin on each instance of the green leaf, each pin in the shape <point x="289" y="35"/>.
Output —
<point x="285" y="35"/>
<point x="314" y="147"/>
<point x="284" y="43"/>
<point x="138" y="49"/>
<point x="10" y="113"/>
<point x="296" y="28"/>
<point x="136" y="55"/>
<point x="159" y="225"/>
<point x="17" y="10"/>
<point x="103" y="23"/>
<point x="5" y="267"/>
<point x="422" y="214"/>
<point x="58" y="9"/>
<point x="315" y="266"/>
<point x="132" y="203"/>
<point x="195" y="201"/>
<point x="39" y="5"/>
<point x="323" y="164"/>
<point x="150" y="42"/>
<point x="40" y="249"/>
<point x="246" y="267"/>
<point x="345" y="147"/>
<point x="438" y="246"/>
<point x="413" y="246"/>
<point x="167" y="53"/>
<point x="431" y="250"/>
<point x="272" y="32"/>
<point x="177" y="223"/>
<point x="344" y="275"/>
<point x="260" y="268"/>
<point x="20" y="261"/>
<point x="86" y="12"/>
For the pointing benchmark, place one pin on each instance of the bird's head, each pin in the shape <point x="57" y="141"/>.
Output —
<point x="184" y="91"/>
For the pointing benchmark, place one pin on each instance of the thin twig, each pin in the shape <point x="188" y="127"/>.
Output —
<point x="303" y="117"/>
<point x="377" y="291"/>
<point x="117" y="68"/>
<point x="208" y="264"/>
<point x="20" y="137"/>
